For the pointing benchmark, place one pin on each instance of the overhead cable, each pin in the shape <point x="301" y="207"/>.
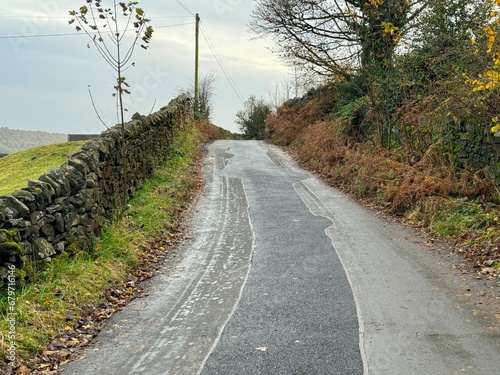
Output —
<point x="221" y="65"/>
<point x="79" y="33"/>
<point x="186" y="9"/>
<point x="36" y="16"/>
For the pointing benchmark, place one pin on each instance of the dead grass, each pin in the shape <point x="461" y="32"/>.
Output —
<point x="287" y="125"/>
<point x="210" y="132"/>
<point x="424" y="193"/>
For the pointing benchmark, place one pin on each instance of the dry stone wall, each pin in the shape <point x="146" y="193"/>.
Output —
<point x="67" y="207"/>
<point x="81" y="137"/>
<point x="476" y="148"/>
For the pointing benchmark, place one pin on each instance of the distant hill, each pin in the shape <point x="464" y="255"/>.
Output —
<point x="12" y="140"/>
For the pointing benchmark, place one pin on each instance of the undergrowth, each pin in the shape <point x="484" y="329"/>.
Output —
<point x="70" y="288"/>
<point x="459" y="205"/>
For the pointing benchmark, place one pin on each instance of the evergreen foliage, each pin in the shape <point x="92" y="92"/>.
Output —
<point x="252" y="118"/>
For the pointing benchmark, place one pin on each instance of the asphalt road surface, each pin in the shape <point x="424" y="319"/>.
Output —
<point x="285" y="275"/>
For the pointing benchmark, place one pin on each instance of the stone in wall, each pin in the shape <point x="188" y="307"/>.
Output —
<point x="81" y="137"/>
<point x="42" y="249"/>
<point x="11" y="250"/>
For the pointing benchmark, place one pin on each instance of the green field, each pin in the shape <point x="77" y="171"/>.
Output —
<point x="16" y="169"/>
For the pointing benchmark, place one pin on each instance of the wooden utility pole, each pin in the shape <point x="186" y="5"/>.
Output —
<point x="196" y="79"/>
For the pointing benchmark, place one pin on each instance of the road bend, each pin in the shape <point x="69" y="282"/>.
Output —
<point x="285" y="275"/>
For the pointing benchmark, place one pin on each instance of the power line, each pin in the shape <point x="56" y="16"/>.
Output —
<point x="178" y="24"/>
<point x="40" y="35"/>
<point x="67" y="17"/>
<point x="221" y="65"/>
<point x="186" y="9"/>
<point x="35" y="16"/>
<point x="79" y="33"/>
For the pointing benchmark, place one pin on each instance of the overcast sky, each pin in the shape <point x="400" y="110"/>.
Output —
<point x="45" y="78"/>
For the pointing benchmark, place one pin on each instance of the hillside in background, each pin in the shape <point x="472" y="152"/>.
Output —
<point x="12" y="140"/>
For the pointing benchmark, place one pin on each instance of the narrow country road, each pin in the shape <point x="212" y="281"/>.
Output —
<point x="285" y="275"/>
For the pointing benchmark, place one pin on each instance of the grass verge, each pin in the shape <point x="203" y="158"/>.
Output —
<point x="16" y="169"/>
<point x="66" y="302"/>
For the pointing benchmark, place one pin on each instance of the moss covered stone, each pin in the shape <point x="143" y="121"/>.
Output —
<point x="9" y="235"/>
<point x="10" y="247"/>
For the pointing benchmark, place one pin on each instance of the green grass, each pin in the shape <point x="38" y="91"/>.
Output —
<point x="457" y="217"/>
<point x="467" y="222"/>
<point x="64" y="290"/>
<point x="16" y="169"/>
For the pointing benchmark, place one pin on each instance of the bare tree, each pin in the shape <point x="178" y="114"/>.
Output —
<point x="107" y="28"/>
<point x="205" y="95"/>
<point x="281" y="92"/>
<point x="206" y="92"/>
<point x="332" y="37"/>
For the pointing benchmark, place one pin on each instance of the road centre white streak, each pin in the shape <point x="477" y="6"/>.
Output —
<point x="411" y="299"/>
<point x="318" y="209"/>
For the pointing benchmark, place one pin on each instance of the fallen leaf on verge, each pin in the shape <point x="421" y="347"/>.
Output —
<point x="22" y="370"/>
<point x="486" y="270"/>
